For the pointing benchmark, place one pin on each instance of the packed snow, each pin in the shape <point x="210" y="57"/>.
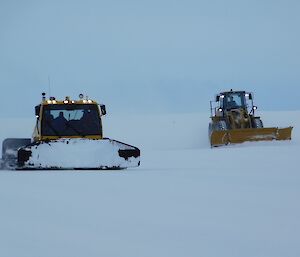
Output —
<point x="186" y="199"/>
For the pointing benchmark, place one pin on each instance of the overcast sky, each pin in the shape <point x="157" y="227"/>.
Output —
<point x="143" y="56"/>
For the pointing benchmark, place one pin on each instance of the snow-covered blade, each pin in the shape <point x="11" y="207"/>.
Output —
<point x="10" y="147"/>
<point x="78" y="154"/>
<point x="236" y="136"/>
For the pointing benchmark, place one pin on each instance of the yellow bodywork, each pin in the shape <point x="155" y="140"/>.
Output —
<point x="234" y="136"/>
<point x="37" y="136"/>
<point x="46" y="138"/>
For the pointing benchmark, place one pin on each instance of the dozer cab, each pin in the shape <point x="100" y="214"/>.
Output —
<point x="68" y="135"/>
<point x="233" y="120"/>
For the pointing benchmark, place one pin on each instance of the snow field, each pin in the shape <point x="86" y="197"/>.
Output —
<point x="186" y="199"/>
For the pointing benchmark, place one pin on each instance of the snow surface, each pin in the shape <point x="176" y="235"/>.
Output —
<point x="185" y="199"/>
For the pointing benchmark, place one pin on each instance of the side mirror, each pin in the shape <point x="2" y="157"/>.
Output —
<point x="217" y="98"/>
<point x="37" y="110"/>
<point x="103" y="109"/>
<point x="250" y="96"/>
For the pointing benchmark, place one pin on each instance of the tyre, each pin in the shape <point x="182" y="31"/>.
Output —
<point x="257" y="123"/>
<point x="221" y="125"/>
<point x="210" y="128"/>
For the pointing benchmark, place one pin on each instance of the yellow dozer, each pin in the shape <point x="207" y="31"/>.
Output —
<point x="68" y="135"/>
<point x="233" y="121"/>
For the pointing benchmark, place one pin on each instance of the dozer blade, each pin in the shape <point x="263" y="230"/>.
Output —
<point x="10" y="148"/>
<point x="235" y="136"/>
<point x="78" y="154"/>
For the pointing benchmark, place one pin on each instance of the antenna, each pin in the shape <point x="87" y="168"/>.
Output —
<point x="49" y="85"/>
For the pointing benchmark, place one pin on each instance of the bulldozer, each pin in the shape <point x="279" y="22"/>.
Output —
<point x="233" y="121"/>
<point x="68" y="135"/>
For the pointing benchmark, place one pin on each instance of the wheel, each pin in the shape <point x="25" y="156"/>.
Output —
<point x="221" y="125"/>
<point x="210" y="128"/>
<point x="257" y="123"/>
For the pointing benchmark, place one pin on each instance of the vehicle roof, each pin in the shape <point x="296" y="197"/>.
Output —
<point x="68" y="102"/>
<point x="231" y="92"/>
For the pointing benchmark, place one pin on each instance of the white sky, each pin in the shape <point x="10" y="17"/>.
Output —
<point x="142" y="56"/>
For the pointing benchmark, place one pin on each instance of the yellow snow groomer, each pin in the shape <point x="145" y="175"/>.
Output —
<point x="68" y="135"/>
<point x="233" y="121"/>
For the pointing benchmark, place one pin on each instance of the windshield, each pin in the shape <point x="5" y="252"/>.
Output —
<point x="234" y="100"/>
<point x="71" y="120"/>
